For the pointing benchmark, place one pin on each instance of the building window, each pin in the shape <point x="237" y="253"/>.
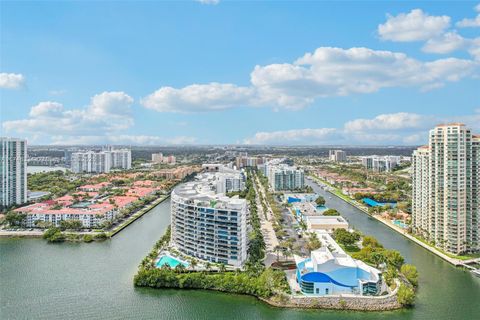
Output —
<point x="326" y="291"/>
<point x="317" y="291"/>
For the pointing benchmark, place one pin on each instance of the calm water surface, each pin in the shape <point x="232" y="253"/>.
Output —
<point x="36" y="169"/>
<point x="94" y="281"/>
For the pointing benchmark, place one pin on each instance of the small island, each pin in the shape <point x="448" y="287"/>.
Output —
<point x="374" y="278"/>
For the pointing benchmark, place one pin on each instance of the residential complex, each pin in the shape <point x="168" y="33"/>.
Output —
<point x="159" y="158"/>
<point x="101" y="162"/>
<point x="381" y="163"/>
<point x="337" y="155"/>
<point x="445" y="204"/>
<point x="207" y="224"/>
<point x="88" y="204"/>
<point x="13" y="172"/>
<point x="330" y="271"/>
<point x="283" y="177"/>
<point x="176" y="173"/>
<point x="244" y="161"/>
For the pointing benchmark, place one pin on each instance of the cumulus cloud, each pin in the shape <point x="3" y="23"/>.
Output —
<point x="394" y="128"/>
<point x="198" y="97"/>
<point x="326" y="72"/>
<point x="446" y="43"/>
<point x="475" y="22"/>
<point x="392" y="121"/>
<point x="413" y="26"/>
<point x="11" y="80"/>
<point x="108" y="112"/>
<point x="103" y="121"/>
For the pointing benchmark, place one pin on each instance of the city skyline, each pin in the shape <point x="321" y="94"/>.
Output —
<point x="256" y="78"/>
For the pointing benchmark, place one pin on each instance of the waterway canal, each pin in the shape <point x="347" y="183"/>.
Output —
<point x="94" y="281"/>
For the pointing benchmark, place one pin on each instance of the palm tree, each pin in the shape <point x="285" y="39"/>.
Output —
<point x="277" y="251"/>
<point x="180" y="268"/>
<point x="222" y="268"/>
<point x="193" y="263"/>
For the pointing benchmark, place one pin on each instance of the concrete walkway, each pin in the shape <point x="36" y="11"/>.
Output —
<point x="266" y="225"/>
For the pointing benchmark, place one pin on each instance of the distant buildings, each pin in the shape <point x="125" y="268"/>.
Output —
<point x="243" y="161"/>
<point x="43" y="161"/>
<point x="101" y="162"/>
<point x="337" y="155"/>
<point x="176" y="173"/>
<point x="283" y="177"/>
<point x="13" y="172"/>
<point x="381" y="163"/>
<point x="207" y="224"/>
<point x="159" y="158"/>
<point x="227" y="179"/>
<point x="446" y="189"/>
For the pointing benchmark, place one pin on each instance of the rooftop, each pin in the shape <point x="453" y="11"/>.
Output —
<point x="203" y="190"/>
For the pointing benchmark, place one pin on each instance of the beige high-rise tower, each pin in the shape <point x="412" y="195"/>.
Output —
<point x="445" y="183"/>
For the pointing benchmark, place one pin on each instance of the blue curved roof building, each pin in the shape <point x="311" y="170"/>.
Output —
<point x="330" y="271"/>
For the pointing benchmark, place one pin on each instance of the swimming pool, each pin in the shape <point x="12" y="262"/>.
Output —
<point x="400" y="224"/>
<point x="170" y="261"/>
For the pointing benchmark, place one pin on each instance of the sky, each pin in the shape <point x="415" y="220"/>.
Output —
<point x="237" y="72"/>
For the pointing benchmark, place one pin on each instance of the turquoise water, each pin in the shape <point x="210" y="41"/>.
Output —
<point x="170" y="261"/>
<point x="400" y="224"/>
<point x="373" y="203"/>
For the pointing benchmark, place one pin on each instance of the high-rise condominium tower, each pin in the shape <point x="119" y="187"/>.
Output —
<point x="445" y="203"/>
<point x="13" y="171"/>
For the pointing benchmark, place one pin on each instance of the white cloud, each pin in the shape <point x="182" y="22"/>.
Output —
<point x="324" y="73"/>
<point x="198" y="97"/>
<point x="392" y="121"/>
<point x="475" y="49"/>
<point x="108" y="113"/>
<point x="475" y="22"/>
<point x="394" y="128"/>
<point x="413" y="26"/>
<point x="445" y="43"/>
<point x="11" y="80"/>
<point x="103" y="121"/>
<point x="213" y="2"/>
<point x="46" y="109"/>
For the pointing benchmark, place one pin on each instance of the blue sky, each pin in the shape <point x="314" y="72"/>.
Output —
<point x="237" y="72"/>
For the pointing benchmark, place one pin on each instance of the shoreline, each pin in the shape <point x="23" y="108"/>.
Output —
<point x="136" y="216"/>
<point x="340" y="302"/>
<point x="110" y="234"/>
<point x="453" y="261"/>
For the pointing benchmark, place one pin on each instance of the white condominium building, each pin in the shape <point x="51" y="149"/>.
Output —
<point x="157" y="157"/>
<point x="283" y="177"/>
<point x="209" y="225"/>
<point x="101" y="162"/>
<point x="380" y="163"/>
<point x="445" y="206"/>
<point x="337" y="155"/>
<point x="121" y="159"/>
<point x="13" y="172"/>
<point x="91" y="162"/>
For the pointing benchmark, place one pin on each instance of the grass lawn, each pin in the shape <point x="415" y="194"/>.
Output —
<point x="349" y="249"/>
